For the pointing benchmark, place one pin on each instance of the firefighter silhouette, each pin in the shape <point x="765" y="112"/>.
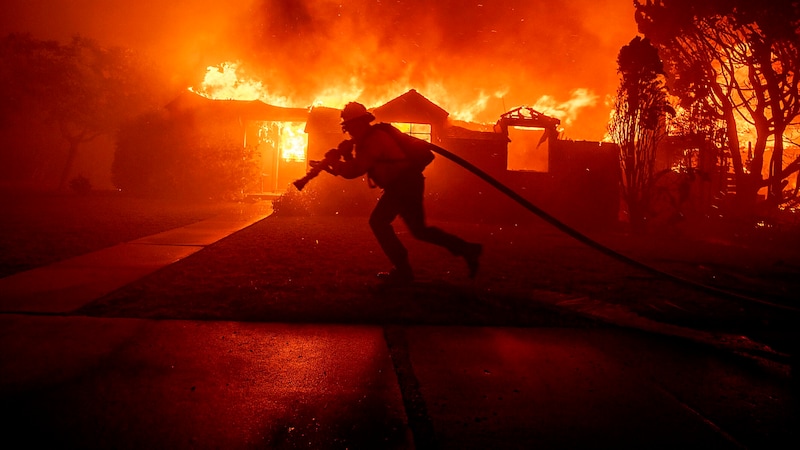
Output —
<point x="387" y="166"/>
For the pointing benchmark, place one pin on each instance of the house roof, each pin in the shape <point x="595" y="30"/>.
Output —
<point x="457" y="132"/>
<point x="525" y="116"/>
<point x="189" y="101"/>
<point x="324" y="119"/>
<point x="411" y="107"/>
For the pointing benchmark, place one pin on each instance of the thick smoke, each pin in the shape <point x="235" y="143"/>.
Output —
<point x="484" y="56"/>
<point x="491" y="55"/>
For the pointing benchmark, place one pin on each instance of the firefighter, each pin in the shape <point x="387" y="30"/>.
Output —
<point x="386" y="165"/>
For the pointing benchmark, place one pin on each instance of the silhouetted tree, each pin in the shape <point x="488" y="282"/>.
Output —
<point x="741" y="59"/>
<point x="81" y="89"/>
<point x="638" y="123"/>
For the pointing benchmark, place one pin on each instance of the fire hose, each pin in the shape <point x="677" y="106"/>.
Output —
<point x="320" y="166"/>
<point x="331" y="156"/>
<point x="591" y="242"/>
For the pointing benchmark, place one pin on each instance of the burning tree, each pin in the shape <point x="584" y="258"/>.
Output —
<point x="638" y="123"/>
<point x="741" y="60"/>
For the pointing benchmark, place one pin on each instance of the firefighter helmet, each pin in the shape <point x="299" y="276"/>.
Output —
<point x="353" y="111"/>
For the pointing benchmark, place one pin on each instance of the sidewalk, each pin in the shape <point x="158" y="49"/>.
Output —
<point x="79" y="382"/>
<point x="64" y="286"/>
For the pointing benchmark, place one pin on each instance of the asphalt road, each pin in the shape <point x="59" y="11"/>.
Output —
<point x="216" y="351"/>
<point x="79" y="382"/>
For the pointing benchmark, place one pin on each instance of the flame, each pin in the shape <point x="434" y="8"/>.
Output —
<point x="228" y="81"/>
<point x="225" y="82"/>
<point x="566" y="111"/>
<point x="467" y="110"/>
<point x="222" y="83"/>
<point x="293" y="142"/>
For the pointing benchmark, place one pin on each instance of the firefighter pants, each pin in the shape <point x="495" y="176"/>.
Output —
<point x="404" y="198"/>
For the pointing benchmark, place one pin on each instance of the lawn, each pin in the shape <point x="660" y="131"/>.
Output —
<point x="321" y="268"/>
<point x="39" y="228"/>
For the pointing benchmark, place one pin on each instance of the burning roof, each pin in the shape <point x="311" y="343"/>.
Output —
<point x="411" y="107"/>
<point x="189" y="102"/>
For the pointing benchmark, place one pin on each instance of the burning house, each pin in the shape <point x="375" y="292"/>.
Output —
<point x="273" y="134"/>
<point x="575" y="181"/>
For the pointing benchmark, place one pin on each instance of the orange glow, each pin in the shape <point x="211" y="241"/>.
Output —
<point x="227" y="81"/>
<point x="476" y="60"/>
<point x="567" y="111"/>
<point x="289" y="137"/>
<point x="224" y="83"/>
<point x="293" y="142"/>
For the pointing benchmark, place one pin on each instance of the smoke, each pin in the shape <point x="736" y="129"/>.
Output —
<point x="475" y="59"/>
<point x="181" y="36"/>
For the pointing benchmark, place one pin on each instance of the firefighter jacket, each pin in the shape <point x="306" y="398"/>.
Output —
<point x="378" y="156"/>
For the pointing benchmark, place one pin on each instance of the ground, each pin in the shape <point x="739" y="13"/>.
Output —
<point x="321" y="269"/>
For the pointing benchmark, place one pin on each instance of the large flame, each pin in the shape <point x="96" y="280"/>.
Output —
<point x="293" y="142"/>
<point x="223" y="82"/>
<point x="476" y="60"/>
<point x="227" y="81"/>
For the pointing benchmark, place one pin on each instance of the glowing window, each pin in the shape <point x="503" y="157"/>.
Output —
<point x="418" y="130"/>
<point x="526" y="151"/>
<point x="288" y="139"/>
<point x="294" y="141"/>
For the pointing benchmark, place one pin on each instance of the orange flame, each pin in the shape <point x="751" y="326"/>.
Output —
<point x="227" y="81"/>
<point x="224" y="83"/>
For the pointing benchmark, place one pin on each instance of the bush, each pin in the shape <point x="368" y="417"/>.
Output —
<point x="296" y="203"/>
<point x="327" y="196"/>
<point x="81" y="185"/>
<point x="160" y="156"/>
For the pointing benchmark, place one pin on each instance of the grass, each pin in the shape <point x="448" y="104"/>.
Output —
<point x="322" y="268"/>
<point x="40" y="228"/>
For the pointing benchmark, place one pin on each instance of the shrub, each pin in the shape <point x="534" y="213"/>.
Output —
<point x="327" y="196"/>
<point x="81" y="185"/>
<point x="161" y="156"/>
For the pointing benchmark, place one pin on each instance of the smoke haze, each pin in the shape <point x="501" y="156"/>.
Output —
<point x="475" y="59"/>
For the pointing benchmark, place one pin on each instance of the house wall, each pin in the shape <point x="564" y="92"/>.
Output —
<point x="580" y="188"/>
<point x="454" y="193"/>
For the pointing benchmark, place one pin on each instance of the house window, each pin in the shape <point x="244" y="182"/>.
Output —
<point x="527" y="151"/>
<point x="418" y="130"/>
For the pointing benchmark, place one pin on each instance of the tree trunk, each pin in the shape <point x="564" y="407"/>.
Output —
<point x="72" y="153"/>
<point x="776" y="168"/>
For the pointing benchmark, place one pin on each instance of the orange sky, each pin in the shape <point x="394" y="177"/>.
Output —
<point x="485" y="56"/>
